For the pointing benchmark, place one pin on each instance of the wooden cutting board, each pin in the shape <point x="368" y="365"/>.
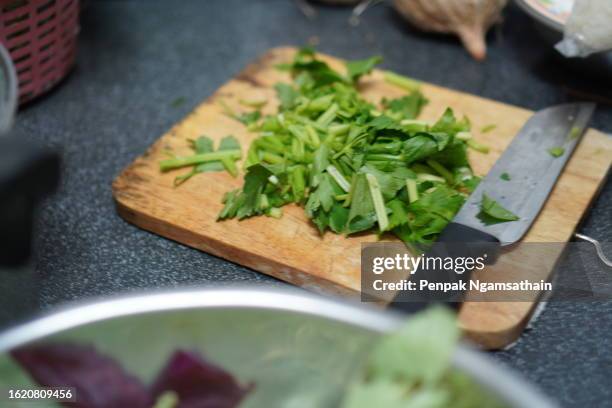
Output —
<point x="290" y="248"/>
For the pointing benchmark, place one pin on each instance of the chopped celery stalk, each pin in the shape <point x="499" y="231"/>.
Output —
<point x="328" y="116"/>
<point x="463" y="135"/>
<point x="402" y="81"/>
<point x="477" y="146"/>
<point x="298" y="132"/>
<point x="297" y="149"/>
<point x="379" y="204"/>
<point x="230" y="166"/>
<point x="337" y="130"/>
<point x="315" y="140"/>
<point x="413" y="192"/>
<point x="269" y="143"/>
<point x="406" y="122"/>
<point x="263" y="201"/>
<point x="252" y="157"/>
<point x="275" y="212"/>
<point x="421" y="168"/>
<point x="441" y="170"/>
<point x="272" y="158"/>
<point x="430" y="177"/>
<point x="178" y="162"/>
<point x="254" y="103"/>
<point x="488" y="128"/>
<point x="298" y="182"/>
<point x="339" y="178"/>
<point x="321" y="103"/>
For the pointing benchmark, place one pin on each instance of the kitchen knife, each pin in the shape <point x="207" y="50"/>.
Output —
<point x="533" y="171"/>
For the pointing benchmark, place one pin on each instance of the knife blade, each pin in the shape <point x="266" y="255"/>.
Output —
<point x="533" y="170"/>
<point x="533" y="174"/>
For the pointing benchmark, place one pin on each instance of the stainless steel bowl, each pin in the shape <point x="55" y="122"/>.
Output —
<point x="300" y="349"/>
<point x="554" y="24"/>
<point x="8" y="91"/>
<point x="596" y="67"/>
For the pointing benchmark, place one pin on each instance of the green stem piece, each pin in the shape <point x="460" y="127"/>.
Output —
<point x="379" y="204"/>
<point x="178" y="162"/>
<point x="413" y="192"/>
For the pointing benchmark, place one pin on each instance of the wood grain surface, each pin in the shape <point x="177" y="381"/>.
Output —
<point x="291" y="249"/>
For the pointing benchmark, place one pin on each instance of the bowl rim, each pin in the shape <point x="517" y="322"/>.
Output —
<point x="9" y="92"/>
<point x="542" y="18"/>
<point x="501" y="381"/>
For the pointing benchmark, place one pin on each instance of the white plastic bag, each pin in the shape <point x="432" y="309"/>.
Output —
<point x="588" y="30"/>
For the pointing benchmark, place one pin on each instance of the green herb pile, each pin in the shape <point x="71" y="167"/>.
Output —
<point x="352" y="165"/>
<point x="412" y="368"/>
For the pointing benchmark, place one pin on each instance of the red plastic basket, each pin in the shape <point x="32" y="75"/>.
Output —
<point x="41" y="37"/>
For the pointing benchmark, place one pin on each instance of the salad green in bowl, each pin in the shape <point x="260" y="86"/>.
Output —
<point x="254" y="348"/>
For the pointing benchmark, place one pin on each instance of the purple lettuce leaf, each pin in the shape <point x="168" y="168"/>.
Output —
<point x="198" y="383"/>
<point x="99" y="381"/>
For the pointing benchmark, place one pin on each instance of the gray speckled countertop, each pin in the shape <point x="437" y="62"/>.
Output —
<point x="136" y="57"/>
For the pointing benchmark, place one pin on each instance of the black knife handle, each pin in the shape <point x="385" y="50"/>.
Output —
<point x="456" y="241"/>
